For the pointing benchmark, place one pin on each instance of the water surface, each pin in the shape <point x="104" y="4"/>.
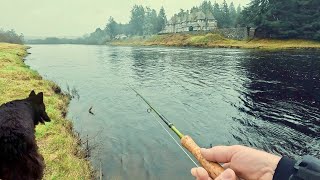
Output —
<point x="269" y="100"/>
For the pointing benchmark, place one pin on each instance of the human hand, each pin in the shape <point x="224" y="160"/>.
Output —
<point x="241" y="162"/>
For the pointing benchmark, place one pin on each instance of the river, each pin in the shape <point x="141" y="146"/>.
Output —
<point x="264" y="99"/>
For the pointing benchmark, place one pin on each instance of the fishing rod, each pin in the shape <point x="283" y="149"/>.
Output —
<point x="214" y="169"/>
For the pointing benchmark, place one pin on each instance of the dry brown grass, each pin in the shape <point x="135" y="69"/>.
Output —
<point x="217" y="41"/>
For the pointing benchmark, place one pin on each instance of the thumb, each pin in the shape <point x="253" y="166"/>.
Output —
<point x="228" y="174"/>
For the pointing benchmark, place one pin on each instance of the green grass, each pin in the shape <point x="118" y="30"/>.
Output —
<point x="217" y="41"/>
<point x="56" y="140"/>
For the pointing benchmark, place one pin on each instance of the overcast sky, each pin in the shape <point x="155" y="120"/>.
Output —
<point x="78" y="17"/>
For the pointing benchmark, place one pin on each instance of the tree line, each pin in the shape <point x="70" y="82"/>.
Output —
<point x="271" y="18"/>
<point x="226" y="15"/>
<point x="143" y="21"/>
<point x="11" y="37"/>
<point x="284" y="18"/>
<point x="146" y="21"/>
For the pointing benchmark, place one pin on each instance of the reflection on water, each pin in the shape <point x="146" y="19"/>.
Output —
<point x="268" y="100"/>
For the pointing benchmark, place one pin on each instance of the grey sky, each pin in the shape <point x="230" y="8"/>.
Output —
<point x="77" y="17"/>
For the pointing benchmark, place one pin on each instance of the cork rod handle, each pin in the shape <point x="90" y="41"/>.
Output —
<point x="214" y="169"/>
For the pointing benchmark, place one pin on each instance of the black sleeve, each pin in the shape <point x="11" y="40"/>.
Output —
<point x="306" y="169"/>
<point x="284" y="169"/>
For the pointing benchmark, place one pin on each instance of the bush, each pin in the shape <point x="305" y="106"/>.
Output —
<point x="11" y="37"/>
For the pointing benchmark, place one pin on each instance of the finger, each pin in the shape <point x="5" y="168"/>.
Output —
<point x="194" y="172"/>
<point x="222" y="154"/>
<point x="200" y="173"/>
<point x="228" y="174"/>
<point x="226" y="165"/>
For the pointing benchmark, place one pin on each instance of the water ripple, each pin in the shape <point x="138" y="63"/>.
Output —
<point x="269" y="100"/>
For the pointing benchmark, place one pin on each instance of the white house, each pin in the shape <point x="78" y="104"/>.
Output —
<point x="197" y="21"/>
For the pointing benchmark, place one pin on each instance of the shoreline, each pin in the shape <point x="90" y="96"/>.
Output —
<point x="57" y="141"/>
<point x="216" y="41"/>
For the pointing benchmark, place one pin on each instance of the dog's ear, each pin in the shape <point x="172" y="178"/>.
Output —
<point x="39" y="97"/>
<point x="32" y="94"/>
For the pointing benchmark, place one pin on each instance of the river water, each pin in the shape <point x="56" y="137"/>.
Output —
<point x="269" y="100"/>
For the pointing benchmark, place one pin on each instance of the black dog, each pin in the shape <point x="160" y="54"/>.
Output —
<point x="19" y="156"/>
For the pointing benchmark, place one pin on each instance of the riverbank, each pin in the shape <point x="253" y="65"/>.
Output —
<point x="217" y="41"/>
<point x="57" y="142"/>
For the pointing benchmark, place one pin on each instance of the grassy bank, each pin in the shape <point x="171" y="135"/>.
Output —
<point x="217" y="41"/>
<point x="57" y="143"/>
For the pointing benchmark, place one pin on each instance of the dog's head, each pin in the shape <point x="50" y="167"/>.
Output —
<point x="39" y="108"/>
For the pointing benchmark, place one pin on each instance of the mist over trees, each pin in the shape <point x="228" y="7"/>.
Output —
<point x="11" y="37"/>
<point x="143" y="21"/>
<point x="147" y="21"/>
<point x="271" y="18"/>
<point x="284" y="18"/>
<point x="226" y="14"/>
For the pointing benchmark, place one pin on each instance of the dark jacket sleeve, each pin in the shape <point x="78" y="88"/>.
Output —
<point x="306" y="169"/>
<point x="284" y="169"/>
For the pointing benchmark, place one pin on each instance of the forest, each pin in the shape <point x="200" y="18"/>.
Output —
<point x="146" y="21"/>
<point x="276" y="19"/>
<point x="284" y="19"/>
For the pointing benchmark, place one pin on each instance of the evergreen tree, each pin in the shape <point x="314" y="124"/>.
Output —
<point x="239" y="9"/>
<point x="239" y="21"/>
<point x="162" y="20"/>
<point x="233" y="15"/>
<point x="284" y="19"/>
<point x="181" y="13"/>
<point x="306" y="18"/>
<point x="194" y="10"/>
<point x="150" y="22"/>
<point x="137" y="20"/>
<point x="111" y="28"/>
<point x="209" y="7"/>
<point x="226" y="19"/>
<point x="206" y="7"/>
<point x="217" y="13"/>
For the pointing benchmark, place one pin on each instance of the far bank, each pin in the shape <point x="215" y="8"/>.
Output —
<point x="216" y="41"/>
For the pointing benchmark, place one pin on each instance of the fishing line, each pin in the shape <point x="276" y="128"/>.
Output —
<point x="149" y="111"/>
<point x="214" y="169"/>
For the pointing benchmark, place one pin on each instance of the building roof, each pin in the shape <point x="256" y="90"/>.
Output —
<point x="173" y="20"/>
<point x="200" y="15"/>
<point x="194" y="16"/>
<point x="185" y="17"/>
<point x="210" y="16"/>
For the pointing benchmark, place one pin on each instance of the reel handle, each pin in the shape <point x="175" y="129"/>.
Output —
<point x="214" y="169"/>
